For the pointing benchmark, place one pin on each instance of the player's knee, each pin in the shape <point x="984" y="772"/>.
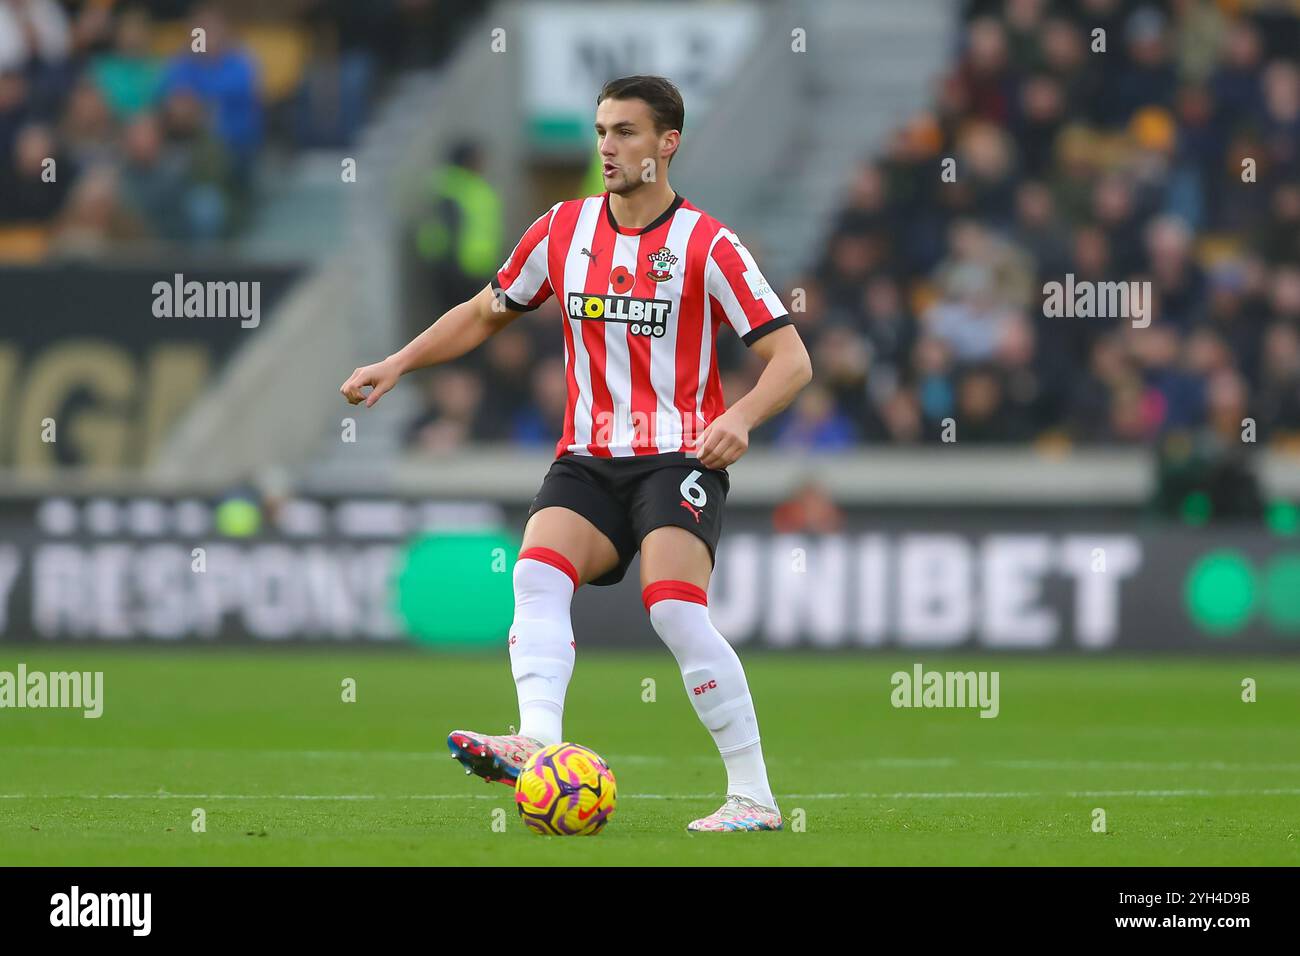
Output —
<point x="661" y="619"/>
<point x="671" y="601"/>
<point x="675" y="594"/>
<point x="543" y="575"/>
<point x="679" y="614"/>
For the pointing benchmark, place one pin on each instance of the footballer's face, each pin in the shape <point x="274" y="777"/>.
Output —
<point x="632" y="152"/>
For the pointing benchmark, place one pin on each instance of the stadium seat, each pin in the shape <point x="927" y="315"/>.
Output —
<point x="281" y="52"/>
<point x="25" y="243"/>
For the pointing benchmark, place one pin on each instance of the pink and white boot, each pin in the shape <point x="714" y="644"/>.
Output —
<point x="738" y="813"/>
<point x="497" y="759"/>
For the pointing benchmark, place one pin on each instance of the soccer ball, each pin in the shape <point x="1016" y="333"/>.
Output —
<point x="565" y="790"/>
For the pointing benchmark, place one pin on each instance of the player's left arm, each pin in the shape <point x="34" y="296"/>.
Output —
<point x="788" y="370"/>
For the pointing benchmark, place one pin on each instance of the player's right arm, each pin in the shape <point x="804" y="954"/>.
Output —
<point x="461" y="329"/>
<point x="520" y="286"/>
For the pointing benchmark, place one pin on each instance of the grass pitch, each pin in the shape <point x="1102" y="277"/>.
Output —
<point x="287" y="773"/>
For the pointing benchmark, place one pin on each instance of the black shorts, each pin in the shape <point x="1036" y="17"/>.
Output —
<point x="627" y="498"/>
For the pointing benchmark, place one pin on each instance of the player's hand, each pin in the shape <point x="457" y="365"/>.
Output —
<point x="380" y="377"/>
<point x="723" y="440"/>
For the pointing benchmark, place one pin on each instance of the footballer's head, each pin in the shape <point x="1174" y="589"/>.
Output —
<point x="639" y="123"/>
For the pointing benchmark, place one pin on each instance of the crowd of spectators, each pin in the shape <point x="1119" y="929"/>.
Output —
<point x="1111" y="140"/>
<point x="1115" y="142"/>
<point x="120" y="121"/>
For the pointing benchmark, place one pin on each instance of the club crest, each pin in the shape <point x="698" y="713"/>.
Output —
<point x="661" y="264"/>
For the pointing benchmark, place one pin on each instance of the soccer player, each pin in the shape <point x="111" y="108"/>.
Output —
<point x="645" y="280"/>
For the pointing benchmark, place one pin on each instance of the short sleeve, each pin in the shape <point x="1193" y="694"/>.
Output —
<point x="733" y="279"/>
<point x="522" y="284"/>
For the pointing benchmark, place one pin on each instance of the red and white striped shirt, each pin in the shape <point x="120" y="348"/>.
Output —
<point x="641" y="310"/>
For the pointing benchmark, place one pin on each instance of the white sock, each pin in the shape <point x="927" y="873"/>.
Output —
<point x="715" y="682"/>
<point x="541" y="642"/>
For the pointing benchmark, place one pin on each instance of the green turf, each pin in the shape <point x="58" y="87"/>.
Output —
<point x="1186" y="772"/>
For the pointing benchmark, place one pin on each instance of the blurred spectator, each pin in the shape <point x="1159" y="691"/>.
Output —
<point x="27" y="194"/>
<point x="32" y="31"/>
<point x="1023" y="23"/>
<point x="330" y="106"/>
<point x="94" y="218"/>
<point x="985" y="156"/>
<point x="36" y="42"/>
<point x="509" y="357"/>
<point x="1148" y="77"/>
<point x="1041" y="114"/>
<point x="216" y="204"/>
<point x="15" y="110"/>
<point x="867" y="211"/>
<point x="815" y="423"/>
<point x="842" y="361"/>
<point x="224" y="78"/>
<point x="1115" y="213"/>
<point x="129" y="75"/>
<point x="448" y="423"/>
<point x="541" y="421"/>
<point x="460" y="238"/>
<point x="1039" y="229"/>
<point x="1179" y="280"/>
<point x="1065" y="51"/>
<point x="1235" y="84"/>
<point x="890" y="333"/>
<point x="984" y="71"/>
<point x="1173" y="398"/>
<point x="934" y="385"/>
<point x="162" y="186"/>
<point x="1280" y="123"/>
<point x="1198" y="26"/>
<point x="1109" y="372"/>
<point x="968" y="320"/>
<point x="1278" y="402"/>
<point x="854" y="257"/>
<point x="88" y="131"/>
<point x="980" y="406"/>
<point x="810" y="510"/>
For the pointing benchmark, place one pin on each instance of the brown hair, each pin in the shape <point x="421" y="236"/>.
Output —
<point x="658" y="93"/>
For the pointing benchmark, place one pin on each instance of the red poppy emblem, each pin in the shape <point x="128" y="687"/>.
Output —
<point x="621" y="280"/>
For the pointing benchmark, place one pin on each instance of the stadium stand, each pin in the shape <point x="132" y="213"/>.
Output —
<point x="926" y="302"/>
<point x="153" y="140"/>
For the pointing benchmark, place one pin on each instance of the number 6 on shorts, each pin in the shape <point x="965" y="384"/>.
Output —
<point x="691" y="490"/>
